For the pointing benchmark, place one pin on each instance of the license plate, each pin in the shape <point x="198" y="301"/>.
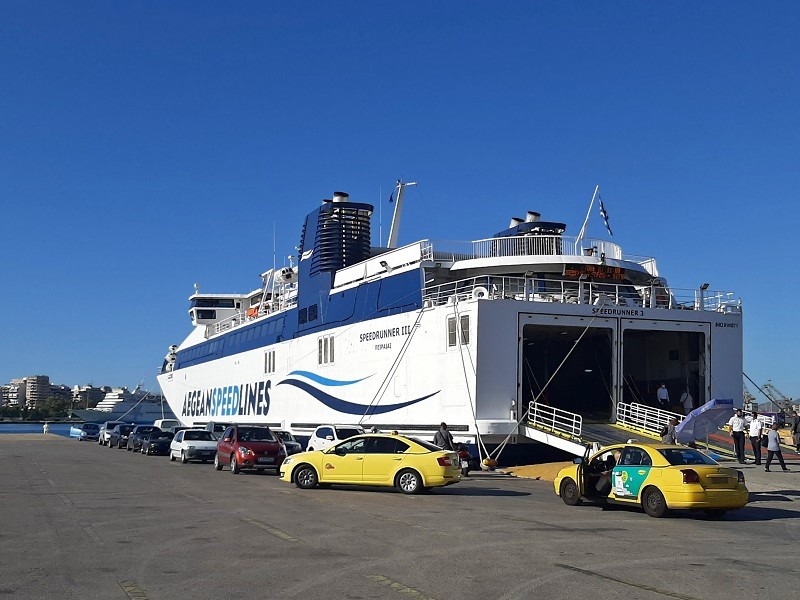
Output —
<point x="266" y="459"/>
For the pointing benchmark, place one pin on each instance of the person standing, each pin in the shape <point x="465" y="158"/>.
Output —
<point x="662" y="394"/>
<point x="755" y="436"/>
<point x="687" y="402"/>
<point x="774" y="447"/>
<point x="794" y="423"/>
<point x="443" y="438"/>
<point x="736" y="426"/>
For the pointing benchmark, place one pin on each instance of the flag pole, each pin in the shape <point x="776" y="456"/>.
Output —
<point x="588" y="212"/>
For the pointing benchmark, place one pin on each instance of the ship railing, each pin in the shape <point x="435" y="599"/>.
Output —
<point x="534" y="289"/>
<point x="544" y="416"/>
<point x="644" y="418"/>
<point x="766" y="420"/>
<point x="278" y="305"/>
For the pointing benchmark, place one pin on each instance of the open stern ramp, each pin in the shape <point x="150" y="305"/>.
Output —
<point x="555" y="427"/>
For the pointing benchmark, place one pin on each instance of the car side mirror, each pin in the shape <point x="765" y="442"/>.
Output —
<point x="340" y="451"/>
<point x="227" y="439"/>
<point x="578" y="460"/>
<point x="329" y="438"/>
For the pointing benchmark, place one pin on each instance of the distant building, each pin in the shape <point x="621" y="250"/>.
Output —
<point x="62" y="392"/>
<point x="13" y="394"/>
<point x="37" y="390"/>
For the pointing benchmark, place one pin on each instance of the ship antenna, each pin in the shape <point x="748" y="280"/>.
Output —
<point x="588" y="212"/>
<point x="398" y="212"/>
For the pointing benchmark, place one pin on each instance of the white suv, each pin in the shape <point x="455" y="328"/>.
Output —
<point x="326" y="436"/>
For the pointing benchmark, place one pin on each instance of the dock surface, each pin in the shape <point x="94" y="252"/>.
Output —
<point x="84" y="521"/>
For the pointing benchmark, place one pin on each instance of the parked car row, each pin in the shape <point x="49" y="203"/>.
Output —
<point x="337" y="454"/>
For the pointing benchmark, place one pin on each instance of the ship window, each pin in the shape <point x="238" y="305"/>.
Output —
<point x="465" y="329"/>
<point x="312" y="312"/>
<point x="213" y="303"/>
<point x="451" y="332"/>
<point x="206" y="314"/>
<point x="302" y="316"/>
<point x="325" y="353"/>
<point x="269" y="361"/>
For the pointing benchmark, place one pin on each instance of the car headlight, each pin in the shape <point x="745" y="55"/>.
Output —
<point x="245" y="451"/>
<point x="288" y="460"/>
<point x="190" y="447"/>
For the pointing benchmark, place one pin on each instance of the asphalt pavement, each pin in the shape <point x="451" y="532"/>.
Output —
<point x="83" y="521"/>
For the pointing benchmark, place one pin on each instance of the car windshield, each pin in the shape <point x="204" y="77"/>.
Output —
<point x="160" y="435"/>
<point x="145" y="429"/>
<point x="91" y="427"/>
<point x="125" y="428"/>
<point x="255" y="434"/>
<point x="686" y="456"/>
<point x="426" y="445"/>
<point x="285" y="436"/>
<point x="343" y="433"/>
<point x="199" y="436"/>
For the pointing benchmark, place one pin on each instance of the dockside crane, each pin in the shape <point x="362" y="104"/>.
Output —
<point x="778" y="397"/>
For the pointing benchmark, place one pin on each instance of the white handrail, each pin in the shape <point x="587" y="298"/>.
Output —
<point x="647" y="418"/>
<point x="555" y="419"/>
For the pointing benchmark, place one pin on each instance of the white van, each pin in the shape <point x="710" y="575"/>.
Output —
<point x="164" y="424"/>
<point x="326" y="436"/>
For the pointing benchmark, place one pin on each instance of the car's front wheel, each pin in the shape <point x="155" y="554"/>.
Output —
<point x="234" y="465"/>
<point x="184" y="460"/>
<point x="217" y="464"/>
<point x="654" y="503"/>
<point x="305" y="477"/>
<point x="569" y="492"/>
<point x="409" y="482"/>
<point x="171" y="456"/>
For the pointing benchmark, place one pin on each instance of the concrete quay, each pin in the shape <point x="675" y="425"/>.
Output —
<point x="84" y="521"/>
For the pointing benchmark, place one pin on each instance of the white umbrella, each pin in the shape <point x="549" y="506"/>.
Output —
<point x="703" y="421"/>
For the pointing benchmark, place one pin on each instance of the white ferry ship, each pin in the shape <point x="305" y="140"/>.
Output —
<point x="486" y="335"/>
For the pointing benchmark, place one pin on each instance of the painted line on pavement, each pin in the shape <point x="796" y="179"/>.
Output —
<point x="398" y="587"/>
<point x="133" y="591"/>
<point x="282" y="535"/>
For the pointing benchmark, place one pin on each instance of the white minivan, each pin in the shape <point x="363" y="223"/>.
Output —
<point x="326" y="436"/>
<point x="164" y="424"/>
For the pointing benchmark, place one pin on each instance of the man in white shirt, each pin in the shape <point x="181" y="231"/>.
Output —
<point x="755" y="436"/>
<point x="663" y="396"/>
<point x="736" y="426"/>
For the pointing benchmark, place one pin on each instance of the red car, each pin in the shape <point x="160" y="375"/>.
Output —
<point x="249" y="447"/>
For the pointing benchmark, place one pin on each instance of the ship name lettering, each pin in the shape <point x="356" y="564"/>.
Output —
<point x="248" y="399"/>
<point x="620" y="312"/>
<point x="734" y="325"/>
<point x="380" y="334"/>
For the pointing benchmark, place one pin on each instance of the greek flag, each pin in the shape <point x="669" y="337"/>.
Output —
<point x="604" y="214"/>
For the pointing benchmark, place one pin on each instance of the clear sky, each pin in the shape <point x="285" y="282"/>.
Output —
<point x="146" y="146"/>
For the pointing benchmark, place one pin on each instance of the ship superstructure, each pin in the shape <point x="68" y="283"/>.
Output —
<point x="470" y="333"/>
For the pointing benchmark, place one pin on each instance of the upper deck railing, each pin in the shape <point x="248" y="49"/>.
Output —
<point x="533" y="245"/>
<point x="534" y="289"/>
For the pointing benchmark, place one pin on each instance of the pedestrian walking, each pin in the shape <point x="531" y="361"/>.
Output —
<point x="736" y="426"/>
<point x="662" y="395"/>
<point x="755" y="436"/>
<point x="774" y="447"/>
<point x="443" y="438"/>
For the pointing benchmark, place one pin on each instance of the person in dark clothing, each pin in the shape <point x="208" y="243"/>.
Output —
<point x="444" y="438"/>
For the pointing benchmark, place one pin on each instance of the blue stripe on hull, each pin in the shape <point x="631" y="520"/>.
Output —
<point x="350" y="408"/>
<point x="324" y="380"/>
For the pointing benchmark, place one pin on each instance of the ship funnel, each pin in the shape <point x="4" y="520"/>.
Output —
<point x="532" y="217"/>
<point x="515" y="221"/>
<point x="340" y="196"/>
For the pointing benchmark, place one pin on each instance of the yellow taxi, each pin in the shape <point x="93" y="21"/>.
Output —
<point x="409" y="464"/>
<point x="657" y="477"/>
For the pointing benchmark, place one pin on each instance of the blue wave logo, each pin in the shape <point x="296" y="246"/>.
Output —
<point x="344" y="406"/>
<point x="324" y="380"/>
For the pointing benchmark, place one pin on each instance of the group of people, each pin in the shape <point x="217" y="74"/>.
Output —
<point x="686" y="399"/>
<point x="753" y="427"/>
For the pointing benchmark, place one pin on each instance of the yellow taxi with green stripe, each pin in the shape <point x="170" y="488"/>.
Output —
<point x="657" y="477"/>
<point x="407" y="463"/>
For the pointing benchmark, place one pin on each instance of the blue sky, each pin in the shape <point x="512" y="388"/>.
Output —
<point x="146" y="146"/>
